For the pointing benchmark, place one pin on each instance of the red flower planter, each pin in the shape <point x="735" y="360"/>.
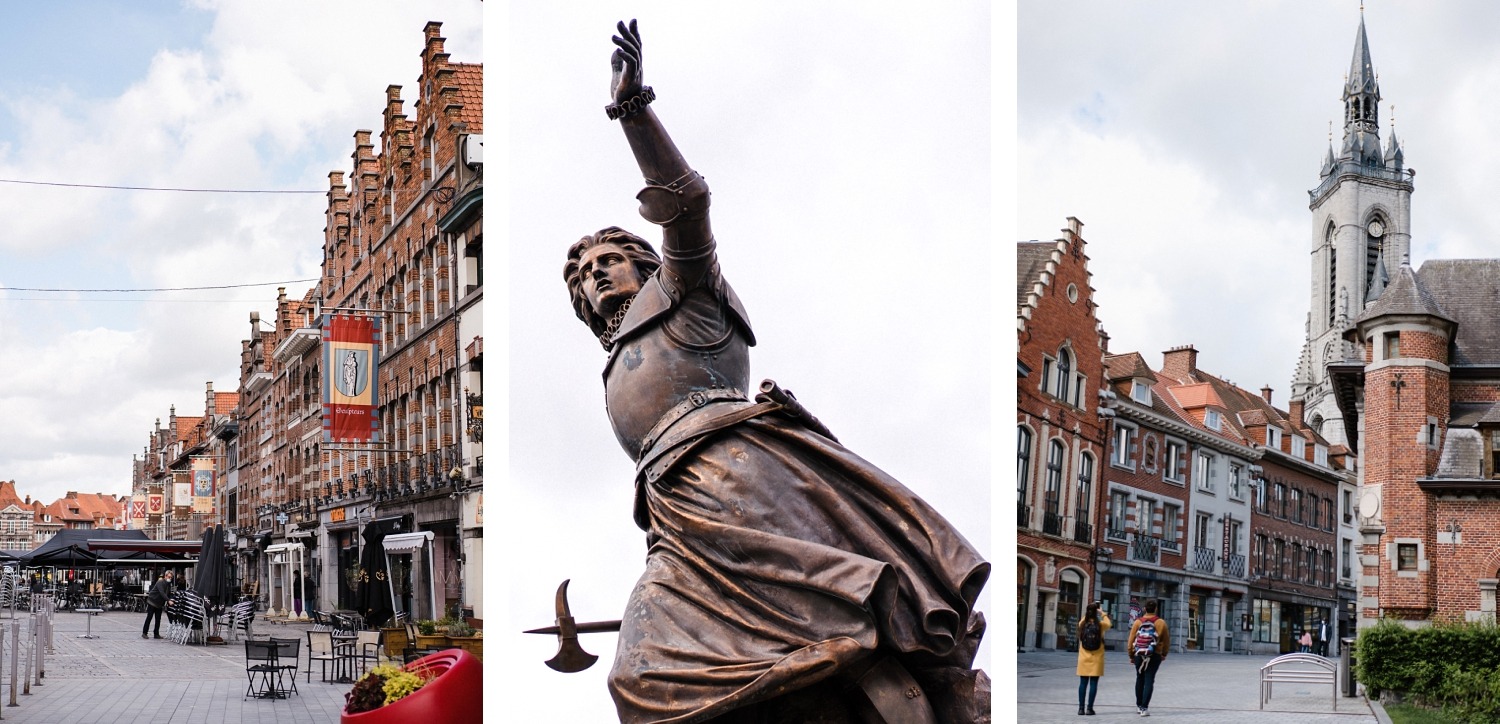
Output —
<point x="456" y="696"/>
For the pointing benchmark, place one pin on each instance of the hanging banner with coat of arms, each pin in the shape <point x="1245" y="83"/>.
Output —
<point x="351" y="350"/>
<point x="203" y="485"/>
<point x="182" y="490"/>
<point x="154" y="504"/>
<point x="138" y="511"/>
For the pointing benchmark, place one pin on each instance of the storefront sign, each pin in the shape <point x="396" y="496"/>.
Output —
<point x="336" y="515"/>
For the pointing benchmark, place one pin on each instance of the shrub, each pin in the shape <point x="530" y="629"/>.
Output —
<point x="1453" y="666"/>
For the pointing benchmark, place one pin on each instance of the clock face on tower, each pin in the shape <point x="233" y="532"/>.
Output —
<point x="1376" y="228"/>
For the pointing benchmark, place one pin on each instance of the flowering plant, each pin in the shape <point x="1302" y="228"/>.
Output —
<point x="381" y="686"/>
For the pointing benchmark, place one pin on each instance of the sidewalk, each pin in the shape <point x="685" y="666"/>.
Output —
<point x="1190" y="687"/>
<point x="121" y="678"/>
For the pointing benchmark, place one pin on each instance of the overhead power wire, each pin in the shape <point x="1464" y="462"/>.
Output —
<point x="159" y="289"/>
<point x="162" y="188"/>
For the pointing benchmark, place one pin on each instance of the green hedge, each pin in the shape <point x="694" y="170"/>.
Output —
<point x="1453" y="666"/>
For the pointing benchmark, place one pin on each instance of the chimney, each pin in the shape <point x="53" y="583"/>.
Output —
<point x="1265" y="394"/>
<point x="1180" y="362"/>
<point x="1294" y="411"/>
<point x="208" y="402"/>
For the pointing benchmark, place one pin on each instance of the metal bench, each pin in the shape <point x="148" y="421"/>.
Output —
<point x="1299" y="669"/>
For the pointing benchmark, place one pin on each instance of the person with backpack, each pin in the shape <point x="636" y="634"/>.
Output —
<point x="1148" y="643"/>
<point x="1091" y="630"/>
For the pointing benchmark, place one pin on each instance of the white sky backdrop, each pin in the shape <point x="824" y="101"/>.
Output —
<point x="1185" y="135"/>
<point x="262" y="95"/>
<point x="849" y="155"/>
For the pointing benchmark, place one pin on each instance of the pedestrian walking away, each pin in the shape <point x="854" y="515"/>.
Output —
<point x="1148" y="644"/>
<point x="156" y="600"/>
<point x="1091" y="630"/>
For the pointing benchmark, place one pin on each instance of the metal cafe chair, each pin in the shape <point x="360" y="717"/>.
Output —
<point x="287" y="653"/>
<point x="319" y="649"/>
<point x="263" y="669"/>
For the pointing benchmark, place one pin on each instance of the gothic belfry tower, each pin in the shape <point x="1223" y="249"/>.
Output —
<point x="1361" y="227"/>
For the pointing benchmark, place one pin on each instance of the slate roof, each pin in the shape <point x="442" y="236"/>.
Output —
<point x="1406" y="295"/>
<point x="1031" y="259"/>
<point x="1127" y="366"/>
<point x="1469" y="291"/>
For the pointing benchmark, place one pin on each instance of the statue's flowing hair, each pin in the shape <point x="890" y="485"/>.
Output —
<point x="638" y="250"/>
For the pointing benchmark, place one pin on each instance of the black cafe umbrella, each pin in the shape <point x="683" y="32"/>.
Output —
<point x="208" y="578"/>
<point x="373" y="597"/>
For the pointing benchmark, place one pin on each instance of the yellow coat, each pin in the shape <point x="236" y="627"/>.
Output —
<point x="1091" y="663"/>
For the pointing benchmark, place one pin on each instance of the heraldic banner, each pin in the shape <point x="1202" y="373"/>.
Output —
<point x="138" y="511"/>
<point x="350" y="356"/>
<point x="203" y="484"/>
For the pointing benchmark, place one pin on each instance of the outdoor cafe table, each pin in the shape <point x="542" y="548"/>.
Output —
<point x="345" y="652"/>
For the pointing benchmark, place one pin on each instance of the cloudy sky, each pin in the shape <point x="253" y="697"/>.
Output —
<point x="191" y="94"/>
<point x="1185" y="135"/>
<point x="849" y="159"/>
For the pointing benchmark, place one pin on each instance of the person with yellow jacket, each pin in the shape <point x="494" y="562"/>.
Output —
<point x="1148" y="643"/>
<point x="1091" y="630"/>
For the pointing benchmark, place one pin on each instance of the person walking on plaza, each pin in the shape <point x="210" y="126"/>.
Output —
<point x="1306" y="641"/>
<point x="1090" y="655"/>
<point x="156" y="600"/>
<point x="1148" y="644"/>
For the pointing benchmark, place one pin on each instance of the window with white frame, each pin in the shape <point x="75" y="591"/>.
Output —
<point x="1085" y="493"/>
<point x="1201" y="525"/>
<point x="1296" y="505"/>
<point x="1234" y="536"/>
<point x="1123" y="448"/>
<point x="1052" y="494"/>
<point x="1348" y="506"/>
<point x="1176" y="461"/>
<point x="1118" y="502"/>
<point x="1140" y="391"/>
<point x="1346" y="557"/>
<point x="1023" y="463"/>
<point x="1273" y="437"/>
<point x="1299" y="446"/>
<point x="1064" y="375"/>
<point x="1145" y="513"/>
<point x="1205" y="470"/>
<point x="1213" y="420"/>
<point x="1320" y="455"/>
<point x="1169" y="514"/>
<point x="1236" y="480"/>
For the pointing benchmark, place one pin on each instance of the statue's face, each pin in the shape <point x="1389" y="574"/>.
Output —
<point x="608" y="277"/>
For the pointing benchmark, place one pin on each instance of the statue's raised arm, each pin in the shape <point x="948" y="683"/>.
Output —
<point x="675" y="197"/>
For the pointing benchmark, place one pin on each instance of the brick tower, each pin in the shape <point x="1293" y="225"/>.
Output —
<point x="1406" y="336"/>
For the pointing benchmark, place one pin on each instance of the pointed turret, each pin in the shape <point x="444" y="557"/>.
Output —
<point x="1394" y="157"/>
<point x="1378" y="281"/>
<point x="1361" y="106"/>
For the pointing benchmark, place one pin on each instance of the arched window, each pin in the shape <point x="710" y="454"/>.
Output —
<point x="1373" y="246"/>
<point x="1064" y="374"/>
<point x="1052" y="494"/>
<point x="1084" y="523"/>
<point x="1333" y="276"/>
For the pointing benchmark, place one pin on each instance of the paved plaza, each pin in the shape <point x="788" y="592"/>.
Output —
<point x="1191" y="687"/>
<point x="120" y="678"/>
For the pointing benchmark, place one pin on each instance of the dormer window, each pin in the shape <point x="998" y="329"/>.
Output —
<point x="1299" y="446"/>
<point x="1213" y="420"/>
<point x="1140" y="392"/>
<point x="1273" y="437"/>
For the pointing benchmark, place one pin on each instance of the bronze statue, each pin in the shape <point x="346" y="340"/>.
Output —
<point x="787" y="579"/>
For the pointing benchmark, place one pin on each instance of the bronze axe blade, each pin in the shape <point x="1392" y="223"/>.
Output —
<point x="570" y="656"/>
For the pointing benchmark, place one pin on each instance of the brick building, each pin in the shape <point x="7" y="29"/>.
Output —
<point x="1426" y="398"/>
<point x="16" y="519"/>
<point x="1177" y="518"/>
<point x="1403" y="367"/>
<point x="404" y="241"/>
<point x="1060" y="358"/>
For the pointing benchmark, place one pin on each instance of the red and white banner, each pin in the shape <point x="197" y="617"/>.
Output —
<point x="154" y="504"/>
<point x="138" y="511"/>
<point x="351" y="352"/>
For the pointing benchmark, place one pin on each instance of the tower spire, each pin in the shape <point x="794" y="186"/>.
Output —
<point x="1361" y="104"/>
